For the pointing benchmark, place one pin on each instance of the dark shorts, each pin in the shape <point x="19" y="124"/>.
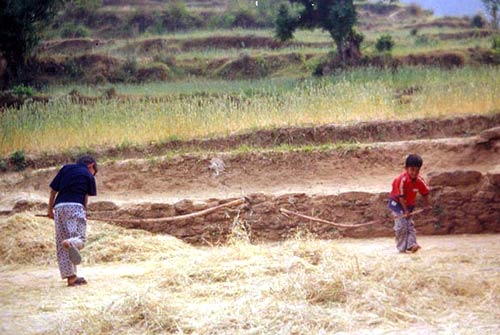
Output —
<point x="396" y="207"/>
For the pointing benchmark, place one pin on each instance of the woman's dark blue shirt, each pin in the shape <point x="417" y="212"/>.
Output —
<point x="72" y="183"/>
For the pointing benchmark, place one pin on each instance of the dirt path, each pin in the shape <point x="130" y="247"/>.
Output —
<point x="33" y="300"/>
<point x="365" y="168"/>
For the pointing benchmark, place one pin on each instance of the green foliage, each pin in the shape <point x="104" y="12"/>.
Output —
<point x="72" y="30"/>
<point x="495" y="45"/>
<point x="492" y="7"/>
<point x="385" y="43"/>
<point x="22" y="90"/>
<point x="285" y="24"/>
<point x="248" y="14"/>
<point x="21" y="22"/>
<point x="128" y="71"/>
<point x="478" y="21"/>
<point x="338" y="18"/>
<point x="18" y="160"/>
<point x="177" y="17"/>
<point x="414" y="32"/>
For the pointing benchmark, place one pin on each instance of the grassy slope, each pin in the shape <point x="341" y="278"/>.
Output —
<point x="360" y="95"/>
<point x="287" y="96"/>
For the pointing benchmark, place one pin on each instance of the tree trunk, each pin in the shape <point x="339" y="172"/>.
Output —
<point x="494" y="17"/>
<point x="340" y="50"/>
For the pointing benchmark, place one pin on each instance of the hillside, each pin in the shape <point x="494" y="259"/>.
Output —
<point x="149" y="41"/>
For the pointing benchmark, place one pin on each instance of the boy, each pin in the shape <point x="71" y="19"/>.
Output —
<point x="67" y="203"/>
<point x="402" y="202"/>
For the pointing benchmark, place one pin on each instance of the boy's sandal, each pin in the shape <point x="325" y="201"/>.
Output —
<point x="78" y="281"/>
<point x="74" y="255"/>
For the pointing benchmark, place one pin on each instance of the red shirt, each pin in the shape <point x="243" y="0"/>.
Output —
<point x="404" y="187"/>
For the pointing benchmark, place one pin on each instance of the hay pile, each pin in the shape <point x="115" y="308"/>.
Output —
<point x="26" y="240"/>
<point x="308" y="287"/>
<point x="301" y="286"/>
<point x="30" y="240"/>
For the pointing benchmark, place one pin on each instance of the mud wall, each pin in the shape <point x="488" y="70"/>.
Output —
<point x="463" y="202"/>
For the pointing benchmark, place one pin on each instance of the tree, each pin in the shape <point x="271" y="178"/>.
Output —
<point x="337" y="17"/>
<point x="285" y="24"/>
<point x="21" y="22"/>
<point x="492" y="7"/>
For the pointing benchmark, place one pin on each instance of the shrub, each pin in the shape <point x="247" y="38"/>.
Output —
<point x="18" y="160"/>
<point x="245" y="19"/>
<point x="385" y="43"/>
<point x="414" y="32"/>
<point x="224" y="20"/>
<point x="128" y="70"/>
<point x="21" y="90"/>
<point x="478" y="21"/>
<point x="178" y="17"/>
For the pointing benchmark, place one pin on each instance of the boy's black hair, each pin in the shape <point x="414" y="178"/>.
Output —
<point x="414" y="161"/>
<point x="86" y="160"/>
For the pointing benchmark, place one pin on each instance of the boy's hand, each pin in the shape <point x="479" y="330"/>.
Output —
<point x="407" y="215"/>
<point x="50" y="214"/>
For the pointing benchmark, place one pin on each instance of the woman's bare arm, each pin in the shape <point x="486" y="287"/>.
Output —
<point x="52" y="198"/>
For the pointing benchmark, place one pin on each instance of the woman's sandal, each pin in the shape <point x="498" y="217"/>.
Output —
<point x="78" y="281"/>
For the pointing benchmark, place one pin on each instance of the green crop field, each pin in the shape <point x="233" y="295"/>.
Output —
<point x="221" y="108"/>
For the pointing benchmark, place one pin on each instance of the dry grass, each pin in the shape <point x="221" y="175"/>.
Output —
<point x="301" y="286"/>
<point x="30" y="240"/>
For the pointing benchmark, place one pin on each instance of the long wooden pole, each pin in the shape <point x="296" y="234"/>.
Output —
<point x="172" y="218"/>
<point x="340" y="225"/>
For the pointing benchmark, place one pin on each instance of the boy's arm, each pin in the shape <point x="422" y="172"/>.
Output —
<point x="402" y="201"/>
<point x="86" y="201"/>
<point x="52" y="198"/>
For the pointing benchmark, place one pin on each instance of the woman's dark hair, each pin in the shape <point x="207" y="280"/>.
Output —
<point x="86" y="160"/>
<point x="414" y="161"/>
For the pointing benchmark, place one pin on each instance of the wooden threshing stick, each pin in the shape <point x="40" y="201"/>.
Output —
<point x="286" y="212"/>
<point x="169" y="219"/>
